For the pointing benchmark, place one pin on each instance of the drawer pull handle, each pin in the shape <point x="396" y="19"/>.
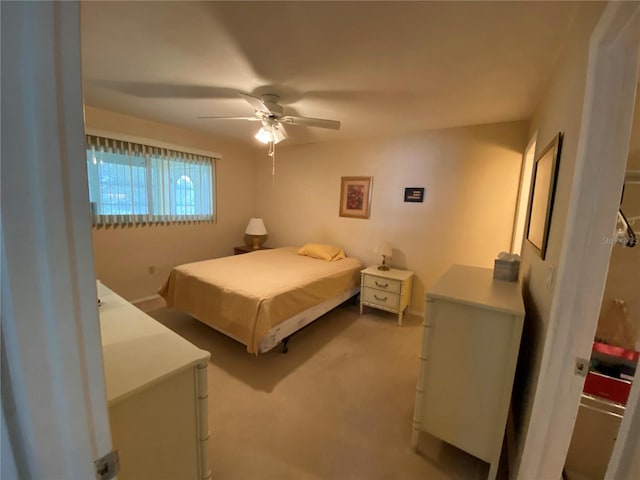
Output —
<point x="383" y="285"/>
<point x="381" y="299"/>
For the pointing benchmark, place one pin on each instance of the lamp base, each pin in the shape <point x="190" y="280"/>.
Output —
<point x="257" y="241"/>
<point x="383" y="265"/>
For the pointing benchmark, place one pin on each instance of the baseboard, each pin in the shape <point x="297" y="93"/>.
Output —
<point x="147" y="304"/>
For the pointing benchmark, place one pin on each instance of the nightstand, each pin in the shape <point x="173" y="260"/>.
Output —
<point x="388" y="290"/>
<point x="246" y="249"/>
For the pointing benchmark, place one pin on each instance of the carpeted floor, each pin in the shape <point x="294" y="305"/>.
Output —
<point x="339" y="405"/>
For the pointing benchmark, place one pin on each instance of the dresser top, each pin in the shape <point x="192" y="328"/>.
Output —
<point x="394" y="273"/>
<point x="137" y="350"/>
<point x="476" y="286"/>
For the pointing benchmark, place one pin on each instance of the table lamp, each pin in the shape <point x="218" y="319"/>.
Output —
<point x="383" y="248"/>
<point x="256" y="231"/>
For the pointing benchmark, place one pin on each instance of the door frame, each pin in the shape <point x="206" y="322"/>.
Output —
<point x="603" y="147"/>
<point x="54" y="408"/>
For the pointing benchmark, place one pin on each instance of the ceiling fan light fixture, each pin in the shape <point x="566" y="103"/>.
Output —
<point x="278" y="134"/>
<point x="270" y="134"/>
<point x="264" y="135"/>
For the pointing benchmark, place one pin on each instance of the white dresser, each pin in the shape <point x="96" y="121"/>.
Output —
<point x="156" y="384"/>
<point x="471" y="338"/>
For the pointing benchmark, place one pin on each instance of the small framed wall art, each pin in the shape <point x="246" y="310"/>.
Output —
<point x="543" y="187"/>
<point x="414" y="194"/>
<point x="355" y="197"/>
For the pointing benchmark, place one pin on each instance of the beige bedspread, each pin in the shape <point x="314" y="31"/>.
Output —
<point x="245" y="295"/>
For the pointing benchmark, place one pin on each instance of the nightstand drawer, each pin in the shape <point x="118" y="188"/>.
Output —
<point x="383" y="299"/>
<point x="379" y="283"/>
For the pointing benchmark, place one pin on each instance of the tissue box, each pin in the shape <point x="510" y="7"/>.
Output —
<point x="506" y="269"/>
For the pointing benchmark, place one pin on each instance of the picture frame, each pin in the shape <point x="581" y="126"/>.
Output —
<point x="543" y="186"/>
<point x="414" y="194"/>
<point x="355" y="197"/>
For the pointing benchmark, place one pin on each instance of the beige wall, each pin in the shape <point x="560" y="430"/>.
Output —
<point x="123" y="255"/>
<point x="470" y="177"/>
<point x="560" y="109"/>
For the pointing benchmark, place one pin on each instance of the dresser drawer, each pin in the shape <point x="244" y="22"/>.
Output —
<point x="379" y="283"/>
<point x="383" y="299"/>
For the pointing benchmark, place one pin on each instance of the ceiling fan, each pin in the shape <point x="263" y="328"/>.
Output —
<point x="271" y="114"/>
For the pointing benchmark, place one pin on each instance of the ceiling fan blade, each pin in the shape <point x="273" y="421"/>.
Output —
<point x="311" y="122"/>
<point x="282" y="129"/>
<point x="251" y="119"/>
<point x="256" y="103"/>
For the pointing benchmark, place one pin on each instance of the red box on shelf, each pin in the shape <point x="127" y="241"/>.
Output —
<point x="610" y="387"/>
<point x="603" y="386"/>
<point x="614" y="351"/>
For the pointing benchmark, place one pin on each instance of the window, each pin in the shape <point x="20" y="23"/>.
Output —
<point x="134" y="183"/>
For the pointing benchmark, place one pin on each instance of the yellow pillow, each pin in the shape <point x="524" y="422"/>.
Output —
<point x="323" y="252"/>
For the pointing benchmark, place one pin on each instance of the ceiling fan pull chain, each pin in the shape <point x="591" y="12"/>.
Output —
<point x="272" y="154"/>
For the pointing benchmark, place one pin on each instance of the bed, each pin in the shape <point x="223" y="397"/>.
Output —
<point x="262" y="297"/>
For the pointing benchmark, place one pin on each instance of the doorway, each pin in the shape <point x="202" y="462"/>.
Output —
<point x="601" y="158"/>
<point x="614" y="358"/>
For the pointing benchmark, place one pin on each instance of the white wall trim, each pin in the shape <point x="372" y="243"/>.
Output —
<point x="598" y="177"/>
<point x="627" y="443"/>
<point x="628" y="440"/>
<point x="150" y="303"/>
<point x="125" y="137"/>
<point x="50" y="330"/>
<point x="150" y="298"/>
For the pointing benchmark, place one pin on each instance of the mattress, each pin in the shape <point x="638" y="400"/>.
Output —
<point x="244" y="296"/>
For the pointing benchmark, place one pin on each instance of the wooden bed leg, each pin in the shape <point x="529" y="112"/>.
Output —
<point x="285" y="349"/>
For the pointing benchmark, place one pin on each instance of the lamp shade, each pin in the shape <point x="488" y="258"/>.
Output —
<point x="383" y="248"/>
<point x="256" y="227"/>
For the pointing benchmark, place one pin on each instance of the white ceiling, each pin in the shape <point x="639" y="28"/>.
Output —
<point x="378" y="67"/>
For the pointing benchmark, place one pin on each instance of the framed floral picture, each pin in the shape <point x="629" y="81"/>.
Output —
<point x="355" y="197"/>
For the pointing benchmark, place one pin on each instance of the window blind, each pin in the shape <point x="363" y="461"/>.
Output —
<point x="132" y="183"/>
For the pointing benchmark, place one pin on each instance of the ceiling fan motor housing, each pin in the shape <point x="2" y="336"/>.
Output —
<point x="269" y="121"/>
<point x="271" y="101"/>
